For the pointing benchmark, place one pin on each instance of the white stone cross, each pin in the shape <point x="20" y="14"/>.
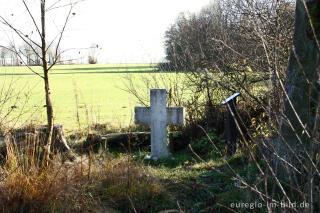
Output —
<point x="159" y="116"/>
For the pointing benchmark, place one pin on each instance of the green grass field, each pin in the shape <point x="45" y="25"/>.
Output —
<point x="99" y="90"/>
<point x="96" y="93"/>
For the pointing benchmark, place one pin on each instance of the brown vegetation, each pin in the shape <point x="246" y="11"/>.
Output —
<point x="88" y="184"/>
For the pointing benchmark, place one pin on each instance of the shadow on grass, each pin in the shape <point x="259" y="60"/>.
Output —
<point x="178" y="159"/>
<point x="211" y="187"/>
<point x="111" y="72"/>
<point x="93" y="72"/>
<point x="201" y="187"/>
<point x="107" y="68"/>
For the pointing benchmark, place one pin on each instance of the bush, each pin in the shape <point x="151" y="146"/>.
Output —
<point x="92" y="60"/>
<point x="204" y="147"/>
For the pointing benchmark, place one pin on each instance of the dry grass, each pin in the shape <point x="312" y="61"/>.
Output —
<point x="88" y="184"/>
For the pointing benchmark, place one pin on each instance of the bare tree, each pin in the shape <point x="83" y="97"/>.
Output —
<point x="33" y="46"/>
<point x="3" y="56"/>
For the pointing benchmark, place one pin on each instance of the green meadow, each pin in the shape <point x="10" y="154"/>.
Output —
<point x="88" y="94"/>
<point x="96" y="93"/>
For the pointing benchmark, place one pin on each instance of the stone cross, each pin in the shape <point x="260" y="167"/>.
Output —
<point x="159" y="116"/>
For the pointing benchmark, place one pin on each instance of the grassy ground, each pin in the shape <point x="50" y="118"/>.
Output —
<point x="92" y="93"/>
<point x="111" y="182"/>
<point x="95" y="90"/>
<point x="124" y="182"/>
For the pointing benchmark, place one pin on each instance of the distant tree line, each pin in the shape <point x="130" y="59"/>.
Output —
<point x="226" y="33"/>
<point x="246" y="42"/>
<point x="24" y="55"/>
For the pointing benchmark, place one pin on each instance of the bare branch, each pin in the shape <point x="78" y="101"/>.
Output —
<point x="61" y="34"/>
<point x="53" y="7"/>
<point x="31" y="16"/>
<point x="18" y="54"/>
<point x="54" y="4"/>
<point x="22" y="36"/>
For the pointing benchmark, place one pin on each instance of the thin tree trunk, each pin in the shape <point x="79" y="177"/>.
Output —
<point x="46" y="81"/>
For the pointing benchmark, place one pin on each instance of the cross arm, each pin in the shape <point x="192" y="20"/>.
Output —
<point x="175" y="115"/>
<point x="142" y="115"/>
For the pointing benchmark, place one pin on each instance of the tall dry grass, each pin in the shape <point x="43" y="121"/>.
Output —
<point x="91" y="183"/>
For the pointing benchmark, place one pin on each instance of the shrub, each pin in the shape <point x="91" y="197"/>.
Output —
<point x="92" y="60"/>
<point x="204" y="146"/>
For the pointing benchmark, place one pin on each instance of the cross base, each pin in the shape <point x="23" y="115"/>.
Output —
<point x="150" y="157"/>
